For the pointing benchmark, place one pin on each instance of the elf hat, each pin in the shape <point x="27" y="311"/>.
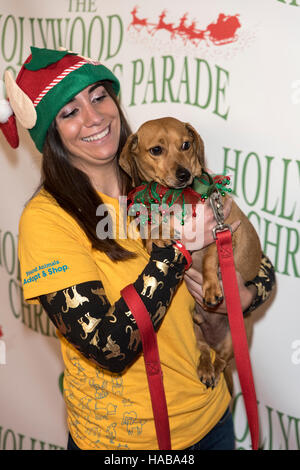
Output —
<point x="47" y="81"/>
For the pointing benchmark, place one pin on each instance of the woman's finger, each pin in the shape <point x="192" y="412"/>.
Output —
<point x="227" y="207"/>
<point x="193" y="286"/>
<point x="195" y="275"/>
<point x="235" y="225"/>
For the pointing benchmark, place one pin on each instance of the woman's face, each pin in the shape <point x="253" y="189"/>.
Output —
<point x="89" y="127"/>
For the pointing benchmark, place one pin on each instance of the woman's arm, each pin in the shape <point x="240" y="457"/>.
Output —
<point x="252" y="294"/>
<point x="108" y="334"/>
<point x="262" y="284"/>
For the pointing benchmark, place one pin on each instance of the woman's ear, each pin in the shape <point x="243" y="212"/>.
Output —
<point x="198" y="144"/>
<point x="127" y="159"/>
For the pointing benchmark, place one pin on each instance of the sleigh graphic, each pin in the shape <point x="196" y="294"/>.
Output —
<point x="224" y="30"/>
<point x="221" y="32"/>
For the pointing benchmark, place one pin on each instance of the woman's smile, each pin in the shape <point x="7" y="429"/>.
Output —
<point x="97" y="137"/>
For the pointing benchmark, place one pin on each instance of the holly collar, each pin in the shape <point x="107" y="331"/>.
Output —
<point x="152" y="195"/>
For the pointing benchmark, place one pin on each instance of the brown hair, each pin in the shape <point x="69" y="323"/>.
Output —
<point x="72" y="188"/>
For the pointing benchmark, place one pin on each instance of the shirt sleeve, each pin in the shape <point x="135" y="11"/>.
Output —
<point x="264" y="283"/>
<point x="53" y="253"/>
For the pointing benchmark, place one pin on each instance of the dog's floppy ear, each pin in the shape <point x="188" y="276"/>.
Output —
<point x="198" y="144"/>
<point x="127" y="159"/>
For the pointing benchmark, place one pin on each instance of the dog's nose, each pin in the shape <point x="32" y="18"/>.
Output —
<point x="182" y="174"/>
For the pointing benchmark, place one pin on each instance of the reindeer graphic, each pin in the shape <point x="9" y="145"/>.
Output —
<point x="162" y="25"/>
<point x="221" y="32"/>
<point x="189" y="33"/>
<point x="138" y="23"/>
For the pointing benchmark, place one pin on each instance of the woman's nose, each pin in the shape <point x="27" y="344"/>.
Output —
<point x="92" y="116"/>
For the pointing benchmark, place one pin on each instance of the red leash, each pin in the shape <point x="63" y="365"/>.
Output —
<point x="238" y="333"/>
<point x="152" y="364"/>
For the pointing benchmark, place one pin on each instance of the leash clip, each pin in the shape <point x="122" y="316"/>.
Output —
<point x="217" y="207"/>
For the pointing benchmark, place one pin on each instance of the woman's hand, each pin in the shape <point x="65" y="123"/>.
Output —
<point x="194" y="281"/>
<point x="196" y="233"/>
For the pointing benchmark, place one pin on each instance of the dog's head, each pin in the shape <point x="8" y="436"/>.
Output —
<point x="164" y="150"/>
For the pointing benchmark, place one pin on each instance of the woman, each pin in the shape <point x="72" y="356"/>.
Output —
<point x="77" y="124"/>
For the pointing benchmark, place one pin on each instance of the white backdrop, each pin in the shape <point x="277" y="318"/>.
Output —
<point x="238" y="84"/>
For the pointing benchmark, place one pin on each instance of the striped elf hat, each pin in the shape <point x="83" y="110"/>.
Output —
<point x="47" y="81"/>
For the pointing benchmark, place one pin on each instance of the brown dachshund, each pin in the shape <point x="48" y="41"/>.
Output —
<point x="171" y="153"/>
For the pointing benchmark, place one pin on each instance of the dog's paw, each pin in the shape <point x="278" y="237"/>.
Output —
<point x="206" y="373"/>
<point x="209" y="372"/>
<point x="212" y="295"/>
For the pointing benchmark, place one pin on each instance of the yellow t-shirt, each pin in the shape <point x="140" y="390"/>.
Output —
<point x="107" y="410"/>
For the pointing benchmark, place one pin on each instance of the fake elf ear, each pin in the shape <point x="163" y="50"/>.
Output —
<point x="19" y="106"/>
<point x="7" y="119"/>
<point x="20" y="102"/>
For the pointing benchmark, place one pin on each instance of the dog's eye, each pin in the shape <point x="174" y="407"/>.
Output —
<point x="186" y="145"/>
<point x="156" y="151"/>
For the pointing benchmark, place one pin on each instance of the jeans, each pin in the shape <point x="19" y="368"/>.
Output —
<point x="221" y="437"/>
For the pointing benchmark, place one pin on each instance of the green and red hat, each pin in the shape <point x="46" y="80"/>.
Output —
<point x="47" y="81"/>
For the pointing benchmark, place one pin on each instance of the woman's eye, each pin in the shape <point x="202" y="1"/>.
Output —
<point x="156" y="151"/>
<point x="99" y="98"/>
<point x="66" y="114"/>
<point x="186" y="145"/>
